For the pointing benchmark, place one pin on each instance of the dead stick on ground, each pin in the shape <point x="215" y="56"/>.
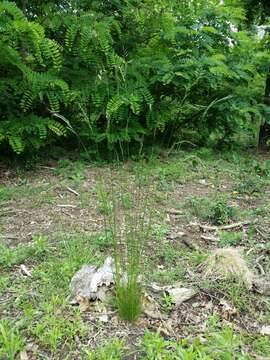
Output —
<point x="222" y="227"/>
<point x="72" y="191"/>
<point x="9" y="237"/>
<point x="67" y="206"/>
<point x="260" y="268"/>
<point x="47" y="167"/>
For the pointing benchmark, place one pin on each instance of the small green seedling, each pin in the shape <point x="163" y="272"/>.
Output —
<point x="10" y="341"/>
<point x="167" y="303"/>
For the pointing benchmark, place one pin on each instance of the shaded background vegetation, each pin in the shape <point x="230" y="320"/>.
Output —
<point x="119" y="75"/>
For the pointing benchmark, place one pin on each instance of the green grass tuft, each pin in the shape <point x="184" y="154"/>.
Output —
<point x="129" y="300"/>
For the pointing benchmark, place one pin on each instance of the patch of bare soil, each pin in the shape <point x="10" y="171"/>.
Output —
<point x="62" y="207"/>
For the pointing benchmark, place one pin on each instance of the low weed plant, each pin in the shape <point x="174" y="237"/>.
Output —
<point x="250" y="185"/>
<point x="217" y="211"/>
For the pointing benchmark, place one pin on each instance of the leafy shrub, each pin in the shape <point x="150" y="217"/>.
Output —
<point x="174" y="72"/>
<point x="30" y="80"/>
<point x="221" y="211"/>
<point x="249" y="185"/>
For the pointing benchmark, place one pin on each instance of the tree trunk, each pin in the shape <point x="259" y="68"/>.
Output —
<point x="264" y="135"/>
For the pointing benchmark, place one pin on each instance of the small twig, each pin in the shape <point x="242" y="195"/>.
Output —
<point x="260" y="268"/>
<point x="7" y="212"/>
<point x="208" y="293"/>
<point x="257" y="263"/>
<point x="67" y="206"/>
<point x="72" y="191"/>
<point x="68" y="214"/>
<point x="260" y="258"/>
<point x="250" y="251"/>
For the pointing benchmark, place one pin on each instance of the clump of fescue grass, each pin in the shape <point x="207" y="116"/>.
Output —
<point x="129" y="223"/>
<point x="228" y="263"/>
<point x="129" y="299"/>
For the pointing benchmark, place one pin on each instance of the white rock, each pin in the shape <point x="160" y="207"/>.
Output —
<point x="180" y="295"/>
<point x="87" y="282"/>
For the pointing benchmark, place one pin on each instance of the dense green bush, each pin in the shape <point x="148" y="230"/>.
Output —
<point x="29" y="81"/>
<point x="128" y="72"/>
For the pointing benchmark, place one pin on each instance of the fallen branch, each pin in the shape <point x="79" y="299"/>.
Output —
<point x="221" y="227"/>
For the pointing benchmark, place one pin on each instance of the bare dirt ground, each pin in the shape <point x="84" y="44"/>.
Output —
<point x="43" y="209"/>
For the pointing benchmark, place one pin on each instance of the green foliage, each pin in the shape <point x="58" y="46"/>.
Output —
<point x="167" y="304"/>
<point x="217" y="211"/>
<point x="127" y="222"/>
<point x="30" y="85"/>
<point x="127" y="73"/>
<point x="10" y="340"/>
<point x="52" y="328"/>
<point x="11" y="257"/>
<point x="221" y="345"/>
<point x="113" y="350"/>
<point x="249" y="185"/>
<point x="230" y="238"/>
<point x="129" y="298"/>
